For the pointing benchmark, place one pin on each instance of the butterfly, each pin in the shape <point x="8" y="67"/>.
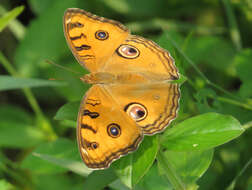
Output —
<point x="132" y="93"/>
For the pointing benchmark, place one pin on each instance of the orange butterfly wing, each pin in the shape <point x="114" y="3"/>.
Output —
<point x="104" y="131"/>
<point x="92" y="39"/>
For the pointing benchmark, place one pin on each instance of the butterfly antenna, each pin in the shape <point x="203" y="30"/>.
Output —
<point x="63" y="67"/>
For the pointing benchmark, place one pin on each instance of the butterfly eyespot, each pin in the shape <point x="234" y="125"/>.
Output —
<point x="136" y="111"/>
<point x="114" y="130"/>
<point x="78" y="24"/>
<point x="128" y="51"/>
<point x="94" y="145"/>
<point x="101" y="35"/>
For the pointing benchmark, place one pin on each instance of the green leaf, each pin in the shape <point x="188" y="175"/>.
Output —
<point x="72" y="165"/>
<point x="99" y="179"/>
<point x="61" y="149"/>
<point x="5" y="20"/>
<point x="191" y="165"/>
<point x="68" y="111"/>
<point x="153" y="179"/>
<point x="133" y="167"/>
<point x="16" y="128"/>
<point x="11" y="83"/>
<point x="118" y="185"/>
<point x="170" y="172"/>
<point x="202" y="132"/>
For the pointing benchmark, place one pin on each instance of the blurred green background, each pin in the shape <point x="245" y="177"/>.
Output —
<point x="216" y="35"/>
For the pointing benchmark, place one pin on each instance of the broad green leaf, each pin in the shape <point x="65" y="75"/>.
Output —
<point x="68" y="111"/>
<point x="11" y="83"/>
<point x="4" y="20"/>
<point x="153" y="179"/>
<point x="17" y="128"/>
<point x="202" y="132"/>
<point x="61" y="149"/>
<point x="170" y="172"/>
<point x="99" y="179"/>
<point x="72" y="165"/>
<point x="118" y="185"/>
<point x="191" y="165"/>
<point x="131" y="168"/>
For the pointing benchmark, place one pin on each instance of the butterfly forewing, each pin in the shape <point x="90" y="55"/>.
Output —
<point x="92" y="39"/>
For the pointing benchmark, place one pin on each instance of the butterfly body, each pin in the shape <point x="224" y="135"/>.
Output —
<point x="132" y="94"/>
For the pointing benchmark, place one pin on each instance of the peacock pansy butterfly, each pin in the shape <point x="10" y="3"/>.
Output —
<point x="132" y="94"/>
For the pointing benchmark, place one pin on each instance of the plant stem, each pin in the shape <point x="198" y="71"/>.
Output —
<point x="170" y="172"/>
<point x="247" y="125"/>
<point x="207" y="81"/>
<point x="11" y="169"/>
<point x="46" y="126"/>
<point x="234" y="31"/>
<point x="232" y="185"/>
<point x="234" y="102"/>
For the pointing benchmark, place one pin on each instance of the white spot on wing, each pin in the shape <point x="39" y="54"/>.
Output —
<point x="84" y="151"/>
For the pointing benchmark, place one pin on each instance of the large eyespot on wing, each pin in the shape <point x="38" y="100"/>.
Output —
<point x="136" y="111"/>
<point x="104" y="132"/>
<point x="128" y="51"/>
<point x="91" y="38"/>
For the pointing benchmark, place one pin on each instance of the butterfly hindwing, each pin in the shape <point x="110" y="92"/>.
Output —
<point x="154" y="105"/>
<point x="104" y="131"/>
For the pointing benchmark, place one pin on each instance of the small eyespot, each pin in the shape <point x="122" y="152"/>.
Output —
<point x="136" y="111"/>
<point x="128" y="51"/>
<point x="94" y="145"/>
<point x="101" y="35"/>
<point x="114" y="130"/>
<point x="78" y="24"/>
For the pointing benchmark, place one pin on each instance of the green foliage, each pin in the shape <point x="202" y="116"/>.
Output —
<point x="10" y="16"/>
<point x="206" y="147"/>
<point x="11" y="83"/>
